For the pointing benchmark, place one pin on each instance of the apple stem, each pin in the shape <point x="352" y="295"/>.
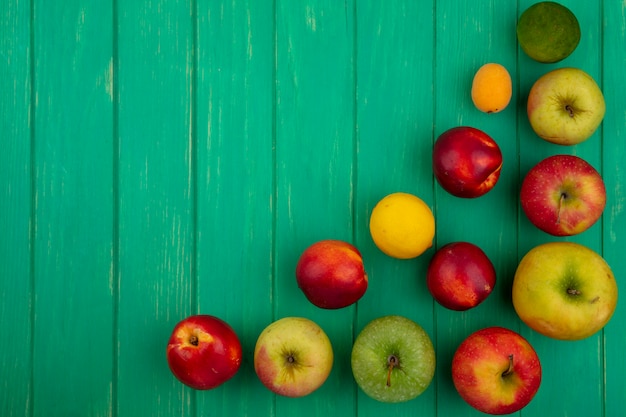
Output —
<point x="569" y="110"/>
<point x="509" y="371"/>
<point x="194" y="340"/>
<point x="558" y="215"/>
<point x="392" y="360"/>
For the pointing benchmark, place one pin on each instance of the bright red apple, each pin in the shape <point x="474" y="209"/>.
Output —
<point x="496" y="371"/>
<point x="331" y="274"/>
<point x="466" y="162"/>
<point x="563" y="195"/>
<point x="460" y="276"/>
<point x="203" y="352"/>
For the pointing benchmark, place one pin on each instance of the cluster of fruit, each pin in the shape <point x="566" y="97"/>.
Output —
<point x="562" y="290"/>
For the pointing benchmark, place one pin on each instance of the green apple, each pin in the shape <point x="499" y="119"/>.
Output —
<point x="565" y="106"/>
<point x="564" y="290"/>
<point x="393" y="359"/>
<point x="293" y="356"/>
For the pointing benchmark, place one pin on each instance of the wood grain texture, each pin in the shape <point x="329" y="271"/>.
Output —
<point x="561" y="360"/>
<point x="236" y="185"/>
<point x="486" y="29"/>
<point x="155" y="187"/>
<point x="164" y="158"/>
<point x="16" y="278"/>
<point x="613" y="32"/>
<point x="72" y="224"/>
<point x="395" y="131"/>
<point x="314" y="170"/>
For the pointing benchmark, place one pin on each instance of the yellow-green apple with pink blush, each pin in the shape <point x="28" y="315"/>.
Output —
<point x="496" y="371"/>
<point x="393" y="359"/>
<point x="460" y="276"/>
<point x="293" y="356"/>
<point x="331" y="274"/>
<point x="564" y="290"/>
<point x="466" y="161"/>
<point x="203" y="351"/>
<point x="563" y="195"/>
<point x="565" y="106"/>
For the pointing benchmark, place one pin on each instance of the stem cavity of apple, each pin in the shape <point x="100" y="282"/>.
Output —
<point x="392" y="361"/>
<point x="194" y="340"/>
<point x="509" y="370"/>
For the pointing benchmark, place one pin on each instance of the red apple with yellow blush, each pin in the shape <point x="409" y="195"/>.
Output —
<point x="203" y="352"/>
<point x="563" y="195"/>
<point x="496" y="371"/>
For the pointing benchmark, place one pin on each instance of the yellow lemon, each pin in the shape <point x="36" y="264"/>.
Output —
<point x="491" y="88"/>
<point x="402" y="226"/>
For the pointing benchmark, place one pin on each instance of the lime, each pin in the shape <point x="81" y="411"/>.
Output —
<point x="548" y="32"/>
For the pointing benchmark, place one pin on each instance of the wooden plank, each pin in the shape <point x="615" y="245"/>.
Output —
<point x="488" y="221"/>
<point x="16" y="294"/>
<point x="155" y="50"/>
<point x="73" y="222"/>
<point x="579" y="363"/>
<point x="395" y="97"/>
<point x="177" y="157"/>
<point x="236" y="200"/>
<point x="614" y="219"/>
<point x="314" y="171"/>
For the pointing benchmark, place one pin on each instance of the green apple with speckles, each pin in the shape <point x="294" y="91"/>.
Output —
<point x="564" y="290"/>
<point x="393" y="359"/>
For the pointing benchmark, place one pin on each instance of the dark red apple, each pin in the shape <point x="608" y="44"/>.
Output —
<point x="460" y="276"/>
<point x="331" y="274"/>
<point x="563" y="195"/>
<point x="466" y="162"/>
<point x="203" y="352"/>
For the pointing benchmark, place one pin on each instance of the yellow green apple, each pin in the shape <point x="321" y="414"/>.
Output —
<point x="293" y="356"/>
<point x="564" y="290"/>
<point x="565" y="106"/>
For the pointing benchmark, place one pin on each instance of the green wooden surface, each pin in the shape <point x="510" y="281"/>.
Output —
<point x="164" y="158"/>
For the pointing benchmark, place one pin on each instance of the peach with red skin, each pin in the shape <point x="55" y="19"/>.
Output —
<point x="331" y="274"/>
<point x="563" y="195"/>
<point x="460" y="276"/>
<point x="203" y="352"/>
<point x="496" y="371"/>
<point x="466" y="162"/>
